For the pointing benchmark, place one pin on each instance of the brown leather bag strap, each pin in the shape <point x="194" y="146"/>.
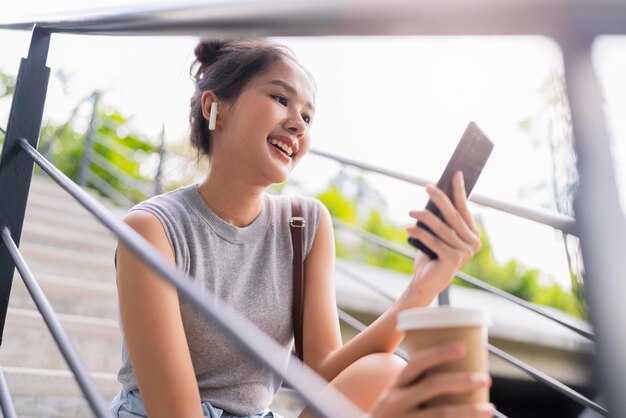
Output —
<point x="296" y="223"/>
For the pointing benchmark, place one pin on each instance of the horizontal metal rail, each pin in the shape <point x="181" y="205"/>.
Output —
<point x="555" y="220"/>
<point x="553" y="18"/>
<point x="119" y="149"/>
<point x="356" y="324"/>
<point x="409" y="253"/>
<point x="6" y="403"/>
<point x="355" y="277"/>
<point x="359" y="326"/>
<point x="142" y="185"/>
<point x="56" y="329"/>
<point x="109" y="190"/>
<point x="531" y="371"/>
<point x="330" y="404"/>
<point x="548" y="381"/>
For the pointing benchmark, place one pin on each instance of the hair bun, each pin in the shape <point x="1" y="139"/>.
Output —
<point x="206" y="52"/>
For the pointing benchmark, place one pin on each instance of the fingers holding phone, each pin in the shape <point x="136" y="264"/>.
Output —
<point x="469" y="158"/>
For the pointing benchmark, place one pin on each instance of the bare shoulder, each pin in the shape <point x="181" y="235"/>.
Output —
<point x="148" y="226"/>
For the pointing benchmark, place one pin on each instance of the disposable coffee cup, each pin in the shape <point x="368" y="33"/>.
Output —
<point x="431" y="327"/>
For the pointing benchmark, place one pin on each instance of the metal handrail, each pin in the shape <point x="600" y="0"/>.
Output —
<point x="410" y="253"/>
<point x="331" y="404"/>
<point x="548" y="381"/>
<point x="56" y="329"/>
<point x="556" y="18"/>
<point x="556" y="220"/>
<point x="119" y="149"/>
<point x="355" y="323"/>
<point x="139" y="184"/>
<point x="6" y="403"/>
<point x="573" y="23"/>
<point x="526" y="368"/>
<point x="108" y="190"/>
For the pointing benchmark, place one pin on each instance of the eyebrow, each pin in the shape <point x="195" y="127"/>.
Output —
<point x="291" y="91"/>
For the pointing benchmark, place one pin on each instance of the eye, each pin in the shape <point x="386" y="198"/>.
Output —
<point x="280" y="99"/>
<point x="306" y="119"/>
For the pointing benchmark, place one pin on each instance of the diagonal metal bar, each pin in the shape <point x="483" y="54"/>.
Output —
<point x="548" y="381"/>
<point x="6" y="403"/>
<point x="359" y="326"/>
<point x="555" y="220"/>
<point x="108" y="190"/>
<point x="330" y="404"/>
<point x="536" y="374"/>
<point x="407" y="252"/>
<point x="56" y="329"/>
<point x="355" y="277"/>
<point x="3" y="131"/>
<point x="521" y="302"/>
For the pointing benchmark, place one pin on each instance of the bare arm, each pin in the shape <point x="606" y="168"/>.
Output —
<point x="323" y="350"/>
<point x="153" y="328"/>
<point x="322" y="342"/>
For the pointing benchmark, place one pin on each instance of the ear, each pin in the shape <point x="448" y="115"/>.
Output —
<point x="208" y="97"/>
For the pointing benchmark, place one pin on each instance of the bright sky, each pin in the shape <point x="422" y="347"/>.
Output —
<point x="400" y="103"/>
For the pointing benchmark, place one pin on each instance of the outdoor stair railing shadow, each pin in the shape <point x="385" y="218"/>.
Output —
<point x="597" y="192"/>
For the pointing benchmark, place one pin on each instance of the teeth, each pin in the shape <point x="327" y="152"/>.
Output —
<point x="282" y="146"/>
<point x="287" y="149"/>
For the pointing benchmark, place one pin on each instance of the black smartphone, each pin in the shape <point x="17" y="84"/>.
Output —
<point x="470" y="157"/>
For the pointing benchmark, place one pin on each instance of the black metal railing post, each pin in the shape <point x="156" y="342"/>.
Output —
<point x="16" y="168"/>
<point x="601" y="220"/>
<point x="6" y="403"/>
<point x="85" y="159"/>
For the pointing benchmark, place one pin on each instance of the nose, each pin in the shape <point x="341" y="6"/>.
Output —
<point x="295" y="125"/>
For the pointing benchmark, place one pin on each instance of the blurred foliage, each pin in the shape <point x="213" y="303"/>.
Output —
<point x="512" y="276"/>
<point x="7" y="84"/>
<point x="123" y="152"/>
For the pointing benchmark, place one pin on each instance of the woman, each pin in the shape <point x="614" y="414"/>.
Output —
<point x="233" y="238"/>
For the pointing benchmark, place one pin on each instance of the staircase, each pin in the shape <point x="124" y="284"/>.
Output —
<point x="71" y="256"/>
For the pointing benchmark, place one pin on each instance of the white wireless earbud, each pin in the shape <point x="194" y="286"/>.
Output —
<point x="213" y="116"/>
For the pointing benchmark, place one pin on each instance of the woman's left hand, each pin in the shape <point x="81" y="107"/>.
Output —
<point x="455" y="241"/>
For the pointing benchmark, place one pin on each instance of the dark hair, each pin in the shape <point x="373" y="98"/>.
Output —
<point x="226" y="67"/>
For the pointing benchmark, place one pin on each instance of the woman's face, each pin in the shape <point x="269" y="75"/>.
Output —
<point x="265" y="133"/>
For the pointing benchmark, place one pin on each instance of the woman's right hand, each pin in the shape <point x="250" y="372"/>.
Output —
<point x="414" y="387"/>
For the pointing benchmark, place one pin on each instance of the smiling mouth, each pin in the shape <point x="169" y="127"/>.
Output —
<point x="284" y="148"/>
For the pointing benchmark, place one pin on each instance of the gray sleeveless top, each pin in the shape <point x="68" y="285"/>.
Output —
<point x="249" y="268"/>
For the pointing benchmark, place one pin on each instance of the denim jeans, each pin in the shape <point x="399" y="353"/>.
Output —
<point x="130" y="405"/>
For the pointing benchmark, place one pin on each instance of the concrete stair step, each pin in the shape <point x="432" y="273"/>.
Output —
<point x="69" y="263"/>
<point x="27" y="341"/>
<point x="59" y="237"/>
<point x="68" y="296"/>
<point x="49" y="190"/>
<point x="53" y="393"/>
<point x="65" y="205"/>
<point x="86" y="223"/>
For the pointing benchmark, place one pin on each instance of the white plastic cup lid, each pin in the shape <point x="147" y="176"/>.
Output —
<point x="441" y="317"/>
